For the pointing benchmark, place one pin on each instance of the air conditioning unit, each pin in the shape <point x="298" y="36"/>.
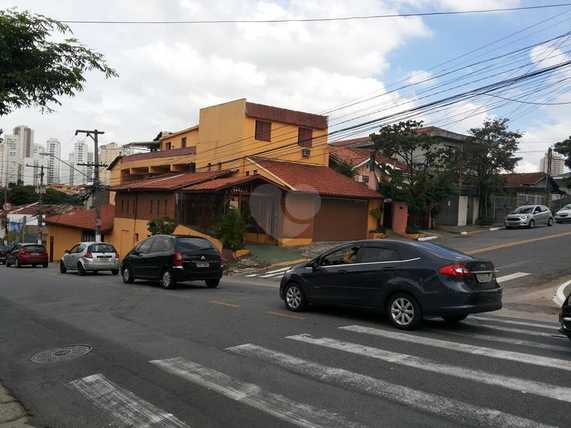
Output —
<point x="305" y="153"/>
<point x="359" y="178"/>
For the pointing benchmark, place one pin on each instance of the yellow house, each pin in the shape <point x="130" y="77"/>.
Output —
<point x="239" y="139"/>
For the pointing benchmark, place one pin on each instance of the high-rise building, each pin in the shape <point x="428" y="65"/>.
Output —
<point x="11" y="167"/>
<point x="81" y="155"/>
<point x="557" y="164"/>
<point x="25" y="137"/>
<point x="32" y="166"/>
<point x="53" y="147"/>
<point x="68" y="172"/>
<point x="107" y="154"/>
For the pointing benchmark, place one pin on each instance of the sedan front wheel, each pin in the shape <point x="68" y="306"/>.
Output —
<point x="294" y="298"/>
<point x="404" y="312"/>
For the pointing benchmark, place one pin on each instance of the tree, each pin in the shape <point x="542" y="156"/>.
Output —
<point x="22" y="195"/>
<point x="497" y="146"/>
<point x="564" y="148"/>
<point x="343" y="168"/>
<point x="36" y="69"/>
<point x="232" y="229"/>
<point x="426" y="178"/>
<point x="161" y="226"/>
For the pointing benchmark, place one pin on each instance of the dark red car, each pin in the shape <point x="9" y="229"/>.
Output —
<point x="27" y="254"/>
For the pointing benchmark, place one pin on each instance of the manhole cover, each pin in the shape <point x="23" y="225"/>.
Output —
<point x="65" y="353"/>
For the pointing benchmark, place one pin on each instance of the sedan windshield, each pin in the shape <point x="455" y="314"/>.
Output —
<point x="567" y="207"/>
<point x="523" y="210"/>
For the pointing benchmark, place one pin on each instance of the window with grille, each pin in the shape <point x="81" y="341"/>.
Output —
<point x="183" y="142"/>
<point x="263" y="130"/>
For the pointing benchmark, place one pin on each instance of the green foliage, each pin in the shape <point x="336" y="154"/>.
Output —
<point x="161" y="226"/>
<point x="343" y="168"/>
<point x="377" y="214"/>
<point x="37" y="69"/>
<point x="22" y="195"/>
<point x="231" y="230"/>
<point x="564" y="148"/>
<point x="428" y="176"/>
<point x="496" y="154"/>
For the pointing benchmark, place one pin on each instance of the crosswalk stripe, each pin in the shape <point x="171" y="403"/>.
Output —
<point x="512" y="330"/>
<point x="272" y="275"/>
<point x="278" y="270"/>
<point x="514" y="322"/>
<point x="510" y="340"/>
<point x="509" y="382"/>
<point x="251" y="275"/>
<point x="519" y="357"/>
<point x="122" y="404"/>
<point x="512" y="276"/>
<point x="450" y="408"/>
<point x="299" y="414"/>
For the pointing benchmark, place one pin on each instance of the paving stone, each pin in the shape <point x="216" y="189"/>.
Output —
<point x="20" y="423"/>
<point x="5" y="396"/>
<point x="11" y="412"/>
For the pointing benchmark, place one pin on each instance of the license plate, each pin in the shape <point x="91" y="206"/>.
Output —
<point x="484" y="277"/>
<point x="202" y="264"/>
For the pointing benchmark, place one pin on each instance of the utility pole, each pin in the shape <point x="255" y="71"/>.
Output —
<point x="40" y="190"/>
<point x="94" y="135"/>
<point x="548" y="178"/>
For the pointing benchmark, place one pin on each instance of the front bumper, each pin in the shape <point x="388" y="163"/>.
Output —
<point x="517" y="223"/>
<point x="560" y="219"/>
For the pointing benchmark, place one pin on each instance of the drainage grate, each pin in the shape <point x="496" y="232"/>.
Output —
<point x="57" y="355"/>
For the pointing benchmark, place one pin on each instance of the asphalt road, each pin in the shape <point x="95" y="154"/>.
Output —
<point x="196" y="357"/>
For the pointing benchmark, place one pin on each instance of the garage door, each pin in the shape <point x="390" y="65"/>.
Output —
<point x="341" y="220"/>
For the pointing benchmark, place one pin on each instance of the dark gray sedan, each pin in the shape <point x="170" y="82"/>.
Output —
<point x="404" y="279"/>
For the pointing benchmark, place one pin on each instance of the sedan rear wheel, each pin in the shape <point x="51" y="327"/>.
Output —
<point x="294" y="298"/>
<point x="167" y="280"/>
<point x="404" y="312"/>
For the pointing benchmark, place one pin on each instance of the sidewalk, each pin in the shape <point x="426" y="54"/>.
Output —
<point x="12" y="414"/>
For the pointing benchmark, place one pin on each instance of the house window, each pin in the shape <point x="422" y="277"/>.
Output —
<point x="183" y="142"/>
<point x="365" y="178"/>
<point x="219" y="166"/>
<point x="167" y="146"/>
<point x="247" y="173"/>
<point x="304" y="137"/>
<point x="263" y="130"/>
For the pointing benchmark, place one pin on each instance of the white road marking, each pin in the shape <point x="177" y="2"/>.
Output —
<point x="273" y="275"/>
<point x="519" y="357"/>
<point x="122" y="404"/>
<point x="528" y="332"/>
<point x="511" y="276"/>
<point x="283" y="408"/>
<point x="511" y="341"/>
<point x="278" y="270"/>
<point x="545" y="326"/>
<point x="440" y="406"/>
<point x="509" y="382"/>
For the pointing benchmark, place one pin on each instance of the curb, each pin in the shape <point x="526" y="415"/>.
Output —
<point x="427" y="238"/>
<point x="561" y="293"/>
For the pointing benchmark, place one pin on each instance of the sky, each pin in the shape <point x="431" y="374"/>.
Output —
<point x="168" y="72"/>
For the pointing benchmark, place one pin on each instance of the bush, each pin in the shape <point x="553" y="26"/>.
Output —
<point x="232" y="229"/>
<point x="161" y="226"/>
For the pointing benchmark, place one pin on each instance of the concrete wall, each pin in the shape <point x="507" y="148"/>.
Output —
<point x="175" y="139"/>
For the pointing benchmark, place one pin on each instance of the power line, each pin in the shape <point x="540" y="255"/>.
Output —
<point x="318" y="19"/>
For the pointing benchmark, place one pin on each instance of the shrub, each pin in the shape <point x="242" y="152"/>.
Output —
<point x="161" y="226"/>
<point x="232" y="229"/>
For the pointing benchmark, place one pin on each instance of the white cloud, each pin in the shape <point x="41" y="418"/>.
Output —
<point x="420" y="77"/>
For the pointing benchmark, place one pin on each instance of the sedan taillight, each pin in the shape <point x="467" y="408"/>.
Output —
<point x="456" y="270"/>
<point x="177" y="259"/>
<point x="88" y="254"/>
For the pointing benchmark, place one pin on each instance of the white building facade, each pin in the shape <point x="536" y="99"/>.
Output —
<point x="53" y="148"/>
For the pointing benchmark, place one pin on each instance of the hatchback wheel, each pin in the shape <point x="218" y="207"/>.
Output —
<point x="127" y="275"/>
<point x="404" y="312"/>
<point x="81" y="269"/>
<point x="531" y="224"/>
<point x="167" y="280"/>
<point x="294" y="298"/>
<point x="550" y="222"/>
<point x="62" y="268"/>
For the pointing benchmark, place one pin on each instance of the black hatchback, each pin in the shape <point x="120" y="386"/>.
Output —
<point x="173" y="259"/>
<point x="406" y="280"/>
<point x="565" y="317"/>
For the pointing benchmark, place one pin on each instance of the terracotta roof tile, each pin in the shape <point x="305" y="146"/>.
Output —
<point x="170" y="182"/>
<point x="226" y="182"/>
<point x="186" y="151"/>
<point x="355" y="156"/>
<point x="524" y="179"/>
<point x="85" y="219"/>
<point x="321" y="178"/>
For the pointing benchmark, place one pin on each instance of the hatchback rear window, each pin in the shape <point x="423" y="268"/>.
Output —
<point x="443" y="252"/>
<point x="193" y="244"/>
<point x="34" y="248"/>
<point x="102" y="248"/>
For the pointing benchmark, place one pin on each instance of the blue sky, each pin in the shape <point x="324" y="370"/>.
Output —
<point x="167" y="73"/>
